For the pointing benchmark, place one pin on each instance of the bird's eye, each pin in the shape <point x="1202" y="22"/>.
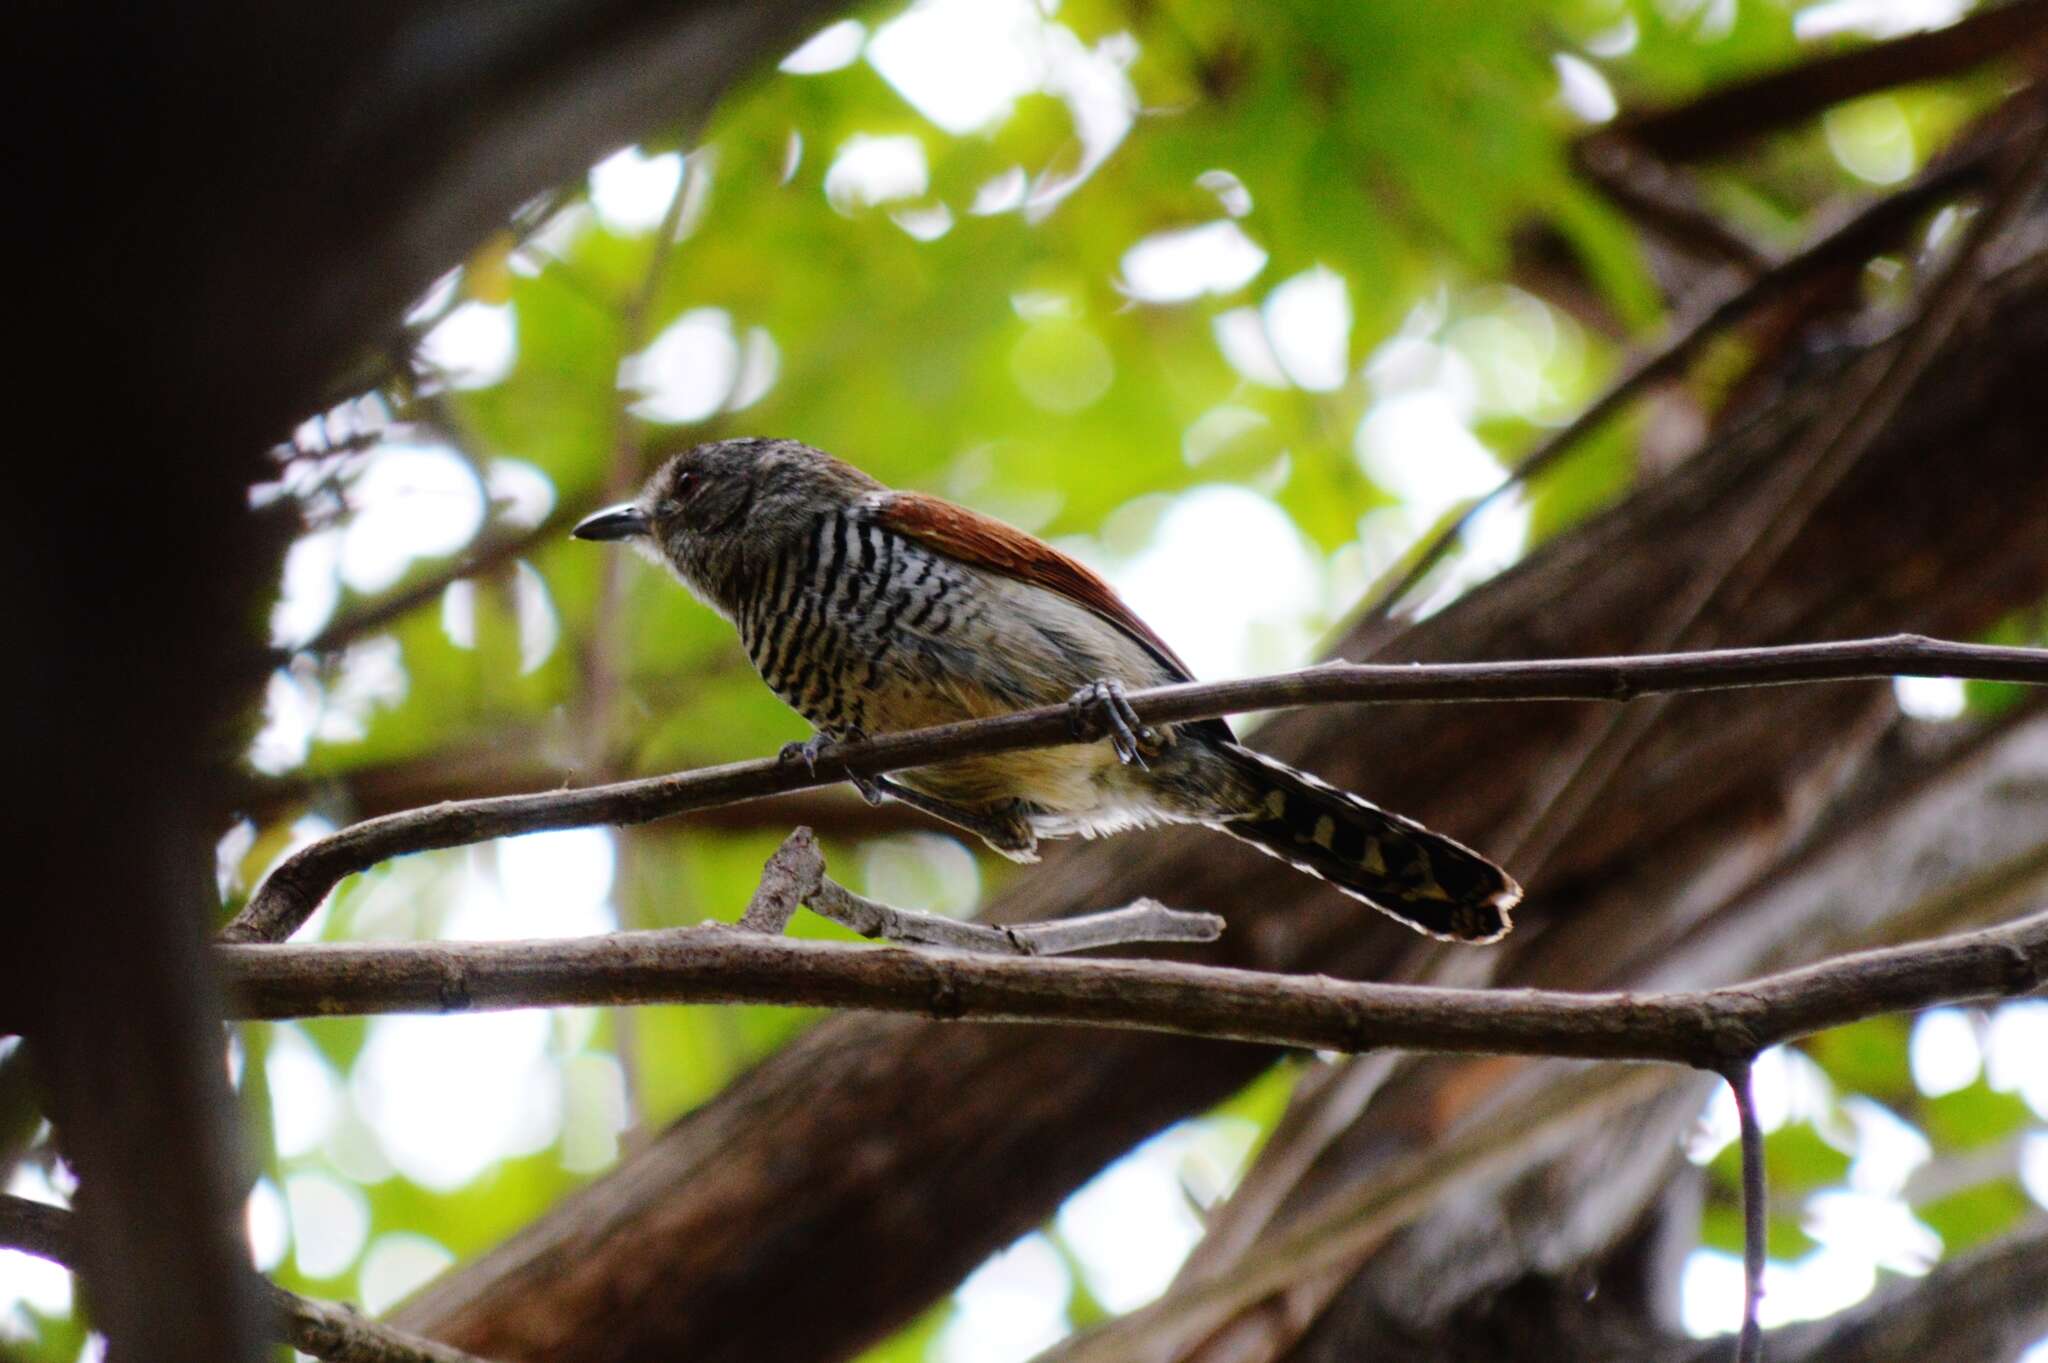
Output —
<point x="687" y="486"/>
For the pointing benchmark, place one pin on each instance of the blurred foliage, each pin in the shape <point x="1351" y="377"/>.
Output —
<point x="1284" y="248"/>
<point x="1918" y="1163"/>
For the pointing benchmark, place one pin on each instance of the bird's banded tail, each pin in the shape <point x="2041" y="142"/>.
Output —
<point x="1426" y="880"/>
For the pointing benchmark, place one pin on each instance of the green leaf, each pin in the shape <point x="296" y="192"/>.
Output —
<point x="1977" y="1214"/>
<point x="1797" y="1159"/>
<point x="913" y="1343"/>
<point x="1867" y="1057"/>
<point x="1592" y="476"/>
<point x="1973" y="1116"/>
<point x="1784" y="1238"/>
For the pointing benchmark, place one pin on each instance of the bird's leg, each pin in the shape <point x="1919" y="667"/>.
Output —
<point x="1099" y="709"/>
<point x="816" y="746"/>
<point x="1003" y="827"/>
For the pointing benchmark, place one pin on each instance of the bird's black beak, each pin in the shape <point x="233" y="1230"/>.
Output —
<point x="613" y="523"/>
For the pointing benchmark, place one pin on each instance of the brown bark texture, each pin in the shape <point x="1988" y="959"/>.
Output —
<point x="874" y="1161"/>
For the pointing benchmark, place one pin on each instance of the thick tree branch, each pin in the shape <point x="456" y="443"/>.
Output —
<point x="298" y="883"/>
<point x="322" y="1329"/>
<point x="715" y="963"/>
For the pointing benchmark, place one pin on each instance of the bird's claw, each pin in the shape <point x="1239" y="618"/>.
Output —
<point x="808" y="751"/>
<point x="816" y="746"/>
<point x="1099" y="709"/>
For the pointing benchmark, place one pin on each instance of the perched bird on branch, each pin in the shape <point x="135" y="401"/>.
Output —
<point x="872" y="611"/>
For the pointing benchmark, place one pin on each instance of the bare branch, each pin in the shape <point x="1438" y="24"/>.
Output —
<point x="322" y="1329"/>
<point x="795" y="874"/>
<point x="715" y="963"/>
<point x="297" y="884"/>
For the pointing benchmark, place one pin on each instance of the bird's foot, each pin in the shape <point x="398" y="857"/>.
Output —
<point x="808" y="752"/>
<point x="816" y="746"/>
<point x="1099" y="710"/>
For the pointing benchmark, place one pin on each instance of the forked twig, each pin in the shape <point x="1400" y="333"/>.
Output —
<point x="795" y="876"/>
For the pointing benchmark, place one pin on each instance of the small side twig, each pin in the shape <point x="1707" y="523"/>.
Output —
<point x="1749" y="1347"/>
<point x="795" y="875"/>
<point x="322" y="1329"/>
<point x="789" y="879"/>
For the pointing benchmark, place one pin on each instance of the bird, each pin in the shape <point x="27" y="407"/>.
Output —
<point x="871" y="611"/>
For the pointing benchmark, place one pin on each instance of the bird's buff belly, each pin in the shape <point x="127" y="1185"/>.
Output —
<point x="1072" y="780"/>
<point x="1076" y="785"/>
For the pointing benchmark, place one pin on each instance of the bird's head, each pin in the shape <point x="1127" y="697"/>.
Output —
<point x="704" y="510"/>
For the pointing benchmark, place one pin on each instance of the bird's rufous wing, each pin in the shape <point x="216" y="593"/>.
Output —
<point x="987" y="543"/>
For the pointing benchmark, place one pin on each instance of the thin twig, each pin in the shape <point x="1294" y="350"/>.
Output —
<point x="323" y="1329"/>
<point x="1749" y="1347"/>
<point x="715" y="963"/>
<point x="1143" y="921"/>
<point x="297" y="884"/>
<point x="1729" y="296"/>
<point x="795" y="874"/>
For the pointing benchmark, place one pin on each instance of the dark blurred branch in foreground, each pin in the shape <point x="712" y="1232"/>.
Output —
<point x="717" y="963"/>
<point x="326" y="163"/>
<point x="322" y="1329"/>
<point x="298" y="883"/>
